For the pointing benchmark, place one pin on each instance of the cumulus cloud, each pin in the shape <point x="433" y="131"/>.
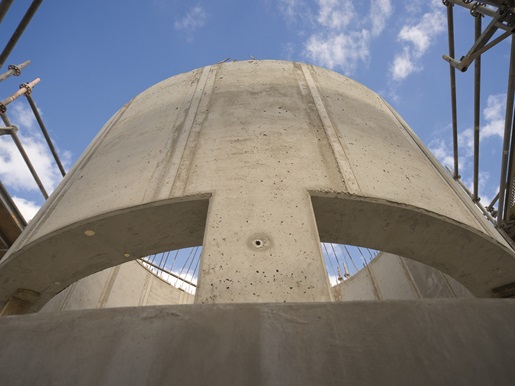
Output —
<point x="341" y="38"/>
<point x="27" y="208"/>
<point x="494" y="116"/>
<point x="415" y="40"/>
<point x="492" y="127"/>
<point x="194" y="19"/>
<point x="13" y="170"/>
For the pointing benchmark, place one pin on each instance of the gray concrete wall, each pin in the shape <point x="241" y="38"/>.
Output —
<point x="256" y="161"/>
<point x="429" y="342"/>
<point x="126" y="285"/>
<point x="392" y="277"/>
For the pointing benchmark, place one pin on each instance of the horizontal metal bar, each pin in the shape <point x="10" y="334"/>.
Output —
<point x="480" y="9"/>
<point x="24" y="88"/>
<point x="14" y="70"/>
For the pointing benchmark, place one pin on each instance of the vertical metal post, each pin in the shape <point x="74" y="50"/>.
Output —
<point x="45" y="133"/>
<point x="19" y="30"/>
<point x="507" y="136"/>
<point x="25" y="157"/>
<point x="450" y="28"/>
<point x="477" y="94"/>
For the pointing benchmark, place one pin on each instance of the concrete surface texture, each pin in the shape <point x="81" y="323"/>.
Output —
<point x="391" y="277"/>
<point x="256" y="161"/>
<point x="125" y="285"/>
<point x="444" y="342"/>
<point x="131" y="284"/>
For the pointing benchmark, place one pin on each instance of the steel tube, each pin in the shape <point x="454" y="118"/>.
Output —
<point x="12" y="71"/>
<point x="25" y="157"/>
<point x="141" y="261"/>
<point x="19" y="93"/>
<point x="450" y="25"/>
<point x="19" y="30"/>
<point x="45" y="133"/>
<point x="480" y="9"/>
<point x="4" y="7"/>
<point x="506" y="140"/>
<point x="477" y="94"/>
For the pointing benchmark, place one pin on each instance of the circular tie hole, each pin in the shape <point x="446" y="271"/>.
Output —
<point x="258" y="243"/>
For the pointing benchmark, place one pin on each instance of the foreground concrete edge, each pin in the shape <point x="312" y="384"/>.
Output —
<point x="444" y="342"/>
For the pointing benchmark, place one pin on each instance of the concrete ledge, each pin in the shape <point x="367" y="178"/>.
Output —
<point x="444" y="342"/>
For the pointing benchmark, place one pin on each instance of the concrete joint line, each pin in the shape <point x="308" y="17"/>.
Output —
<point x="193" y="124"/>
<point x="71" y="176"/>
<point x="337" y="146"/>
<point x="108" y="288"/>
<point x="410" y="277"/>
<point x="172" y="169"/>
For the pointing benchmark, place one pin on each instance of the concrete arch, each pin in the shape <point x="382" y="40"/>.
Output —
<point x="44" y="268"/>
<point x="473" y="258"/>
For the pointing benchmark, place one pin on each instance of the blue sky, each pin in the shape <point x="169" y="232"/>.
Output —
<point x="93" y="56"/>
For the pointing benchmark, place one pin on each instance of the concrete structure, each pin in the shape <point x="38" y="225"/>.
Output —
<point x="126" y="285"/>
<point x="445" y="342"/>
<point x="257" y="162"/>
<point x="275" y="151"/>
<point x="391" y="277"/>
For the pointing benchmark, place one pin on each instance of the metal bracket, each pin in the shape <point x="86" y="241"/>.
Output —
<point x="9" y="130"/>
<point x="27" y="87"/>
<point x="17" y="70"/>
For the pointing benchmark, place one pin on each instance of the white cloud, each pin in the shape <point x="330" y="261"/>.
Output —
<point x="335" y="14"/>
<point x="493" y="114"/>
<point x="493" y="126"/>
<point x="13" y="170"/>
<point x="193" y="20"/>
<point x="344" y="50"/>
<point x="415" y="40"/>
<point x="27" y="208"/>
<point x="341" y="37"/>
<point x="380" y="12"/>
<point x="289" y="8"/>
<point x="403" y="65"/>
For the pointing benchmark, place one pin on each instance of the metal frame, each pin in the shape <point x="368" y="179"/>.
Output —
<point x="502" y="14"/>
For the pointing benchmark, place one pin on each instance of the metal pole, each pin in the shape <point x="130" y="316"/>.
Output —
<point x="19" y="30"/>
<point x="450" y="25"/>
<point x="45" y="133"/>
<point x="477" y="93"/>
<point x="506" y="140"/>
<point x="4" y="7"/>
<point x="25" y="157"/>
<point x="24" y="88"/>
<point x="14" y="70"/>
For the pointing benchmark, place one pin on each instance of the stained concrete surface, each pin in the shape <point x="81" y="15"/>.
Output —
<point x="392" y="277"/>
<point x="263" y="143"/>
<point x="444" y="342"/>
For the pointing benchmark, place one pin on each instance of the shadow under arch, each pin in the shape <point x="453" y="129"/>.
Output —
<point x="38" y="271"/>
<point x="473" y="258"/>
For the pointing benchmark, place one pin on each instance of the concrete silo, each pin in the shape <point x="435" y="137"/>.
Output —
<point x="258" y="162"/>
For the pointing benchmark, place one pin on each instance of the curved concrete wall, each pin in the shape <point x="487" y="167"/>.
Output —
<point x="126" y="285"/>
<point x="254" y="160"/>
<point x="391" y="277"/>
<point x="386" y="277"/>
